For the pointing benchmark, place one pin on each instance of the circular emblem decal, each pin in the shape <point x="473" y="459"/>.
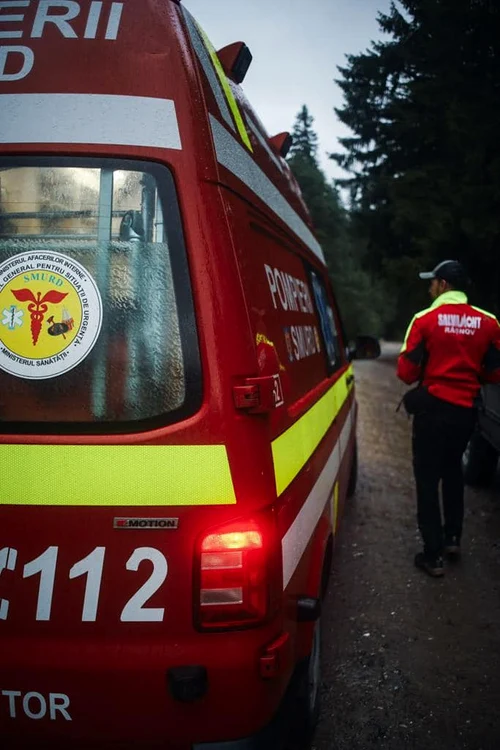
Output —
<point x="50" y="314"/>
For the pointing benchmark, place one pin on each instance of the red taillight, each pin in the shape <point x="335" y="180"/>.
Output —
<point x="234" y="584"/>
<point x="238" y="540"/>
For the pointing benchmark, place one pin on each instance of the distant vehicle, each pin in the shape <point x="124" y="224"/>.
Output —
<point x="481" y="456"/>
<point x="177" y="397"/>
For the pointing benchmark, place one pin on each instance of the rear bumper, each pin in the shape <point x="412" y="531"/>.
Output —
<point x="271" y="737"/>
<point x="124" y="697"/>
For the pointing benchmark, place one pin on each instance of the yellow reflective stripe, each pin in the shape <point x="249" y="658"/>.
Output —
<point x="485" y="312"/>
<point x="453" y="297"/>
<point x="415" y="317"/>
<point x="227" y="89"/>
<point x="407" y="334"/>
<point x="115" y="475"/>
<point x="294" y="448"/>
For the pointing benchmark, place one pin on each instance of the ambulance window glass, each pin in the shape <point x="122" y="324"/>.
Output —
<point x="107" y="220"/>
<point x="327" y="322"/>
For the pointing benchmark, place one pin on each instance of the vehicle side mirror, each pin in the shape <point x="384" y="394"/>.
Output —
<point x="364" y="347"/>
<point x="235" y="59"/>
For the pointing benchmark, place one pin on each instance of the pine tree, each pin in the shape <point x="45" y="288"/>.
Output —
<point x="361" y="296"/>
<point x="305" y="140"/>
<point x="424" y="156"/>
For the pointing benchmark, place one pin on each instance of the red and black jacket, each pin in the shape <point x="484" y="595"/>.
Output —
<point x="455" y="346"/>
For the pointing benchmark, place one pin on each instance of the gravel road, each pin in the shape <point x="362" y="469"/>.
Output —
<point x="408" y="661"/>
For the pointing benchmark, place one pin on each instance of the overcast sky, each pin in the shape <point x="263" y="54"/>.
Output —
<point x="296" y="47"/>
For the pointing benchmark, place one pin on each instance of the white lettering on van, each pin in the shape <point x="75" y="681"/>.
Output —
<point x="114" y="21"/>
<point x="49" y="14"/>
<point x="272" y="285"/>
<point x="34" y="705"/>
<point x="91" y="567"/>
<point x="305" y="341"/>
<point x="293" y="293"/>
<point x="12" y="18"/>
<point x="93" y="20"/>
<point x="43" y="17"/>
<point x="12" y="695"/>
<point x="58" y="702"/>
<point x="28" y="60"/>
<point x="280" y="285"/>
<point x="8" y="560"/>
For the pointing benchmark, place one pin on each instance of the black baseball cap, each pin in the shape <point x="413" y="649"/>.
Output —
<point x="449" y="270"/>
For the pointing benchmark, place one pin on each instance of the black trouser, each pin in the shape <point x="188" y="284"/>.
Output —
<point x="439" y="440"/>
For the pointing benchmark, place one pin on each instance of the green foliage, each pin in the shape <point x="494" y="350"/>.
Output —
<point x="361" y="296"/>
<point x="305" y="140"/>
<point x="424" y="157"/>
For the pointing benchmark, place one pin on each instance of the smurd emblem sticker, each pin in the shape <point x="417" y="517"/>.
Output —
<point x="50" y="314"/>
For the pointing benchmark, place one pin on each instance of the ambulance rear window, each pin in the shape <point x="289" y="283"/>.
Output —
<point x="97" y="329"/>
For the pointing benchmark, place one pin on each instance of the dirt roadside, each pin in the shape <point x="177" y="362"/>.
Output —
<point x="408" y="662"/>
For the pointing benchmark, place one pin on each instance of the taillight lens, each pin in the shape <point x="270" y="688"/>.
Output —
<point x="234" y="582"/>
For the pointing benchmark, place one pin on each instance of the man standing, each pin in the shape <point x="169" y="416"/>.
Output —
<point x="450" y="349"/>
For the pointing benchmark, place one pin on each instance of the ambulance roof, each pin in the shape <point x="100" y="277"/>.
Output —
<point x="139" y="78"/>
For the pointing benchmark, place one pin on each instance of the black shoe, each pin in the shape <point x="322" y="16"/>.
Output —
<point x="452" y="547"/>
<point x="433" y="566"/>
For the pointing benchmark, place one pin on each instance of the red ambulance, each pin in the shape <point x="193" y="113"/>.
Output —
<point x="177" y="412"/>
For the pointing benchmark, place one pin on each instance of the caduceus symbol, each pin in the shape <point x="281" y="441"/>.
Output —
<point x="38" y="307"/>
